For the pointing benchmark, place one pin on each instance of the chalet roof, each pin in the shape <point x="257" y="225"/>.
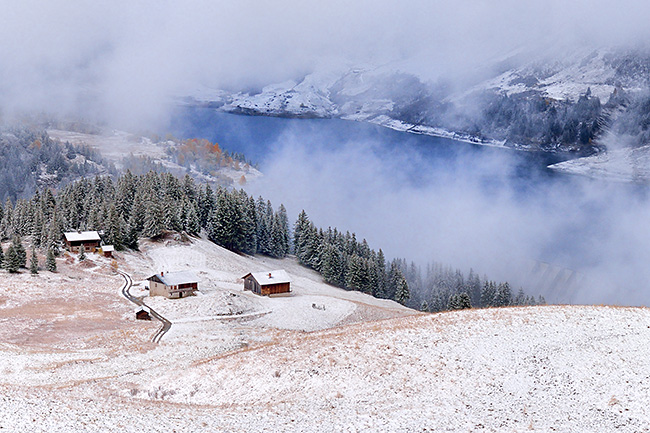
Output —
<point x="82" y="236"/>
<point x="108" y="248"/>
<point x="175" y="278"/>
<point x="273" y="277"/>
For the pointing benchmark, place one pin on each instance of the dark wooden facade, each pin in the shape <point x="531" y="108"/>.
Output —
<point x="250" y="283"/>
<point x="142" y="315"/>
<point x="89" y="246"/>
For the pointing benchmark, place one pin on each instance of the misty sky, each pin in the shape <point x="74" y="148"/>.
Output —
<point x="119" y="60"/>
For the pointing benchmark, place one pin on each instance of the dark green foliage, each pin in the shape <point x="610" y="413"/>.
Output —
<point x="12" y="261"/>
<point x="503" y="295"/>
<point x="488" y="294"/>
<point x="460" y="301"/>
<point x="33" y="262"/>
<point x="50" y="261"/>
<point x="402" y="293"/>
<point x="26" y="155"/>
<point x="19" y="250"/>
<point x="347" y="263"/>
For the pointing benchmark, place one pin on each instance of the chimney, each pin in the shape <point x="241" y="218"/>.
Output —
<point x="270" y="275"/>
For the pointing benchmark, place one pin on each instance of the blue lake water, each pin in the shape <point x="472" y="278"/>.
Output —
<point x="258" y="137"/>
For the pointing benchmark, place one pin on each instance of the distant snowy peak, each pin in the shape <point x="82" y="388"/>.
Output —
<point x="600" y="71"/>
<point x="354" y="93"/>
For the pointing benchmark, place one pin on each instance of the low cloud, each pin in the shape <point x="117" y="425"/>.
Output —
<point x="467" y="210"/>
<point x="119" y="60"/>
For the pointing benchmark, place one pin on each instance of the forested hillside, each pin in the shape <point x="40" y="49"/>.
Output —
<point x="30" y="160"/>
<point x="149" y="205"/>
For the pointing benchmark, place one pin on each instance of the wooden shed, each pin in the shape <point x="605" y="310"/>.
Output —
<point x="107" y="250"/>
<point x="173" y="284"/>
<point x="142" y="314"/>
<point x="74" y="240"/>
<point x="274" y="283"/>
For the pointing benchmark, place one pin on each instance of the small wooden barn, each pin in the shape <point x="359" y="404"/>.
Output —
<point x="173" y="284"/>
<point x="142" y="314"/>
<point x="274" y="283"/>
<point x="107" y="250"/>
<point x="74" y="240"/>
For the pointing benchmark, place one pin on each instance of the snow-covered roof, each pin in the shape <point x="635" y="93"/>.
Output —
<point x="108" y="248"/>
<point x="273" y="277"/>
<point x="176" y="278"/>
<point x="82" y="236"/>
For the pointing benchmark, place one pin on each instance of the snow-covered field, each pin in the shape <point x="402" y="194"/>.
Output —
<point x="73" y="358"/>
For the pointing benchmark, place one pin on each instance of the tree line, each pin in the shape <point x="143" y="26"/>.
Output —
<point x="442" y="288"/>
<point x="148" y="205"/>
<point x="136" y="206"/>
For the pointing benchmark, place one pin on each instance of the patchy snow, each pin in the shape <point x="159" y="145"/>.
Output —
<point x="620" y="165"/>
<point x="115" y="145"/>
<point x="73" y="357"/>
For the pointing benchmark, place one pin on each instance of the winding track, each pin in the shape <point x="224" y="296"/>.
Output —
<point x="166" y="324"/>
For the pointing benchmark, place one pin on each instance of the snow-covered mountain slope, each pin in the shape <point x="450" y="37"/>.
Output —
<point x="620" y="165"/>
<point x="74" y="359"/>
<point x="401" y="100"/>
<point x="117" y="146"/>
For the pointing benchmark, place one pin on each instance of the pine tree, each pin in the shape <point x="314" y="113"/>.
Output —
<point x="153" y="220"/>
<point x="488" y="294"/>
<point x="402" y="293"/>
<point x="503" y="296"/>
<point x="21" y="254"/>
<point x="460" y="301"/>
<point x="354" y="277"/>
<point x="192" y="223"/>
<point x="12" y="261"/>
<point x="82" y="252"/>
<point x="299" y="234"/>
<point x="50" y="262"/>
<point x="424" y="307"/>
<point x="2" y="256"/>
<point x="33" y="262"/>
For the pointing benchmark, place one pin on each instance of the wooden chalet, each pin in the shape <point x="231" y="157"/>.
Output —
<point x="173" y="284"/>
<point x="274" y="283"/>
<point x="74" y="240"/>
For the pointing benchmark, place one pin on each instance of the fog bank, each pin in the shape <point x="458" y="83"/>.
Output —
<point x="471" y="211"/>
<point x="119" y="61"/>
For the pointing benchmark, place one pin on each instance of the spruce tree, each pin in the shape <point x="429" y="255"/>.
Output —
<point x="50" y="262"/>
<point x="33" y="262"/>
<point x="503" y="296"/>
<point x="2" y="256"/>
<point x="21" y="254"/>
<point x="487" y="294"/>
<point x="82" y="252"/>
<point x="12" y="261"/>
<point x="402" y="293"/>
<point x="153" y="220"/>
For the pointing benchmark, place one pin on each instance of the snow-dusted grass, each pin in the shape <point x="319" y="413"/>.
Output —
<point x="555" y="368"/>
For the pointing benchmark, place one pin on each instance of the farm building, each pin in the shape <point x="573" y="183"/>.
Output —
<point x="107" y="250"/>
<point x="142" y="314"/>
<point x="74" y="241"/>
<point x="268" y="283"/>
<point x="173" y="284"/>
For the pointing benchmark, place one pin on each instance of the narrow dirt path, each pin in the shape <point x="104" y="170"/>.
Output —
<point x="166" y="324"/>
